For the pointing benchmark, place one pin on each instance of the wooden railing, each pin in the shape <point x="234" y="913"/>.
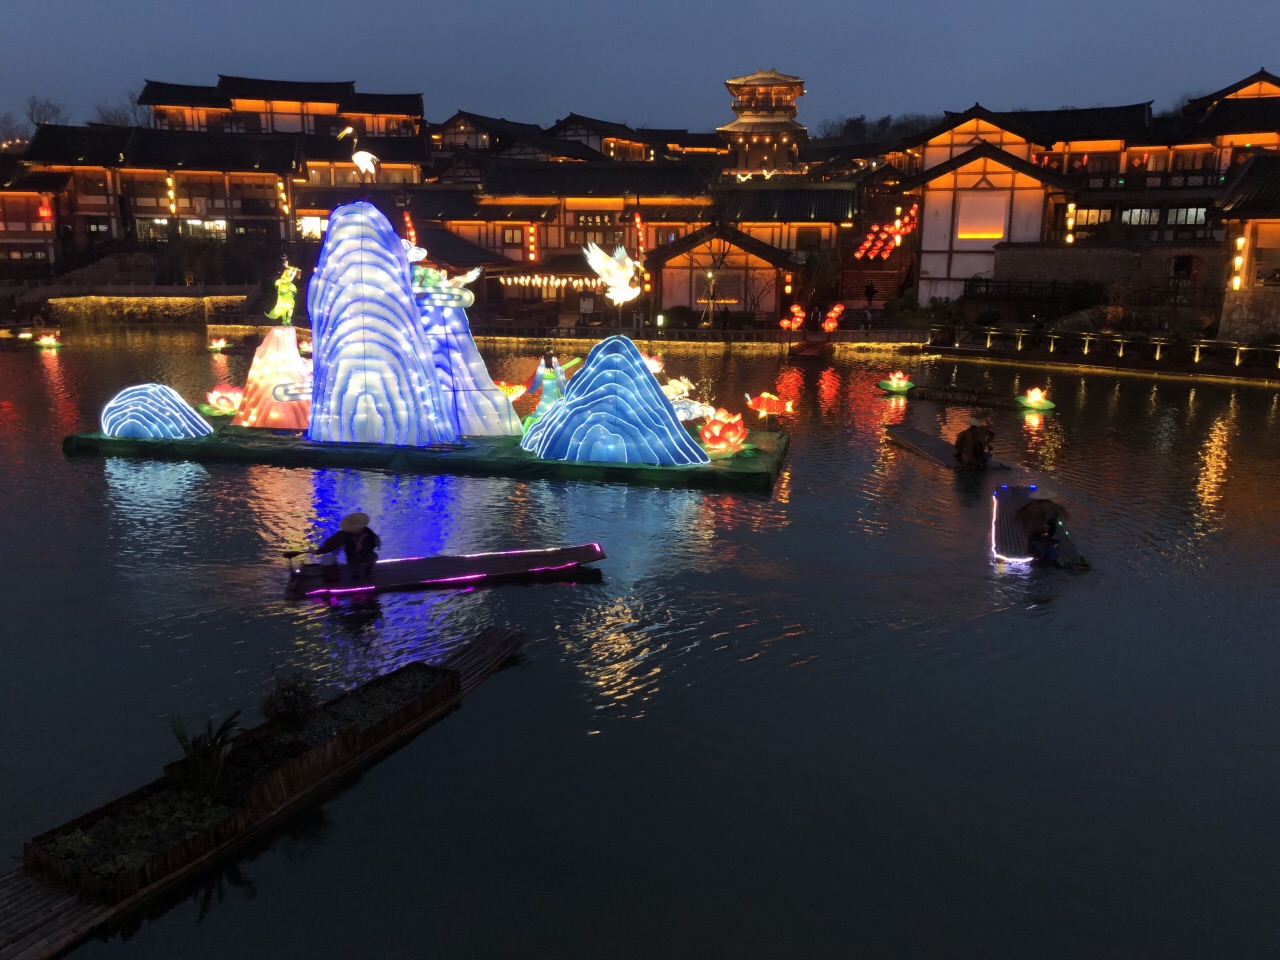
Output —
<point x="1107" y="346"/>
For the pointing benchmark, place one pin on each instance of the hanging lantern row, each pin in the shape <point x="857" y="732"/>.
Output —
<point x="882" y="238"/>
<point x="795" y="321"/>
<point x="537" y="280"/>
<point x="833" y="318"/>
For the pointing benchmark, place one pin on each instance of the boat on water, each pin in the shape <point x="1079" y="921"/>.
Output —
<point x="935" y="448"/>
<point x="1009" y="537"/>
<point x="445" y="572"/>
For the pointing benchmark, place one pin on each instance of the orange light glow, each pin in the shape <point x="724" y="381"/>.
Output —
<point x="724" y="432"/>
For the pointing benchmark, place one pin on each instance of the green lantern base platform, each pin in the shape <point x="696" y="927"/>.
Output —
<point x="755" y="470"/>
<point x="1035" y="404"/>
<point x="888" y="386"/>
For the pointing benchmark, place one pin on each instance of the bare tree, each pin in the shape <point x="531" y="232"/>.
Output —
<point x="125" y="111"/>
<point x="756" y="289"/>
<point x="13" y="133"/>
<point x="42" y="110"/>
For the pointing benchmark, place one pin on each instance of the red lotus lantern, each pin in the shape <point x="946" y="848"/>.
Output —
<point x="724" y="432"/>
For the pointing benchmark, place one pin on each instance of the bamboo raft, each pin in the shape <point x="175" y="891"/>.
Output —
<point x="1009" y="540"/>
<point x="445" y="572"/>
<point x="39" y="919"/>
<point x="934" y="448"/>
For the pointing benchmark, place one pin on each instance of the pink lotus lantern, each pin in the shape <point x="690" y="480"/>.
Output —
<point x="218" y="344"/>
<point x="225" y="398"/>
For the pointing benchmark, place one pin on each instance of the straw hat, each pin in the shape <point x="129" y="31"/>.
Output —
<point x="354" y="523"/>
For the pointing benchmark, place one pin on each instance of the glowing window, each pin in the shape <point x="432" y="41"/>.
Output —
<point x="982" y="216"/>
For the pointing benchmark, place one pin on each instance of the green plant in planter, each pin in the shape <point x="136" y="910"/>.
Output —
<point x="291" y="700"/>
<point x="204" y="754"/>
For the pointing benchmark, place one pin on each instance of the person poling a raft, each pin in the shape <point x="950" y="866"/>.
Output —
<point x="974" y="444"/>
<point x="1040" y="520"/>
<point x="358" y="541"/>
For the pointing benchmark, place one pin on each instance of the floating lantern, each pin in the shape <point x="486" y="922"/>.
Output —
<point x="723" y="433"/>
<point x="768" y="405"/>
<point x="897" y="383"/>
<point x="49" y="341"/>
<point x="218" y="345"/>
<point x="25" y="335"/>
<point x="223" y="401"/>
<point x="654" y="363"/>
<point x="1036" y="399"/>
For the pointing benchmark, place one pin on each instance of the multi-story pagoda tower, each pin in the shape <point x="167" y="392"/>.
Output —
<point x="765" y="139"/>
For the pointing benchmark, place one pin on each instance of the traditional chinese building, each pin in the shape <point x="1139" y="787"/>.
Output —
<point x="765" y="138"/>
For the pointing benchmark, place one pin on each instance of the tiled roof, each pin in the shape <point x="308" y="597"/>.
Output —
<point x="669" y="212"/>
<point x="730" y="234"/>
<point x="1255" y="193"/>
<point x="762" y="77"/>
<point x="158" y="94"/>
<point x="254" y="88"/>
<point x="343" y="93"/>
<point x="188" y="150"/>
<point x="164" y="149"/>
<point x="446" y="247"/>
<point x="807" y="204"/>
<point x="763" y="124"/>
<point x="681" y="138"/>
<point x="78" y="146"/>
<point x="1086" y="123"/>
<point x="1256" y="115"/>
<point x="386" y="149"/>
<point x="608" y="179"/>
<point x="498" y="125"/>
<point x="434" y="204"/>
<point x="16" y="178"/>
<point x="976" y="112"/>
<point x="551" y="146"/>
<point x="605" y="128"/>
<point x="987" y="151"/>
<point x="1200" y="103"/>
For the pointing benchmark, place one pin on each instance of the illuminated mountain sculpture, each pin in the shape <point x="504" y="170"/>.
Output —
<point x="152" y="411"/>
<point x="277" y="394"/>
<point x="472" y="401"/>
<point x="375" y="379"/>
<point x="613" y="411"/>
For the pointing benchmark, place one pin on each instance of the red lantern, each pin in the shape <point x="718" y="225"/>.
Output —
<point x="45" y="212"/>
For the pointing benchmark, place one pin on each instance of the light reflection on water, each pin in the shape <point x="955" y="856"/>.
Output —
<point x="838" y="662"/>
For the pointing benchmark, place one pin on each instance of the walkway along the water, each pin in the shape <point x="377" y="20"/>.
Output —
<point x="39" y="919"/>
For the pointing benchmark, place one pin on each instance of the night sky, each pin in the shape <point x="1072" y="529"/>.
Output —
<point x="657" y="62"/>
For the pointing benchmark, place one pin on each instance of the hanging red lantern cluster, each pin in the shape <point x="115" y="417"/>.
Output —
<point x="884" y="237"/>
<point x="833" y="318"/>
<point x="410" y="234"/>
<point x="795" y="321"/>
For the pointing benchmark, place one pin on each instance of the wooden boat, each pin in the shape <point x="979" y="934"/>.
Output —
<point x="935" y="448"/>
<point x="1009" y="540"/>
<point x="447" y="572"/>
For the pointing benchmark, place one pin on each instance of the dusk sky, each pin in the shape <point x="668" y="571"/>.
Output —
<point x="658" y="63"/>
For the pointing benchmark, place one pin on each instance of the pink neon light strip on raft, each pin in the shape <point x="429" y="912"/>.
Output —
<point x="496" y="553"/>
<point x="467" y="578"/>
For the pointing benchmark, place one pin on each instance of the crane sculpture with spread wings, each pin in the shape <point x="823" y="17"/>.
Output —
<point x="618" y="272"/>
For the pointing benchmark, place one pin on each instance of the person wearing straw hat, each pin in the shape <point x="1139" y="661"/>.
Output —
<point x="1040" y="519"/>
<point x="358" y="541"/>
<point x="974" y="444"/>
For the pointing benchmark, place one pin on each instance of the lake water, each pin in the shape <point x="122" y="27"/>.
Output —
<point x="819" y="724"/>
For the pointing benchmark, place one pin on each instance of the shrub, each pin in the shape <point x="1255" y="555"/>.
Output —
<point x="291" y="700"/>
<point x="205" y="753"/>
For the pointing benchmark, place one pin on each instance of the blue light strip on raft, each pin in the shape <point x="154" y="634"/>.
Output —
<point x="152" y="411"/>
<point x="375" y="380"/>
<point x="613" y="411"/>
